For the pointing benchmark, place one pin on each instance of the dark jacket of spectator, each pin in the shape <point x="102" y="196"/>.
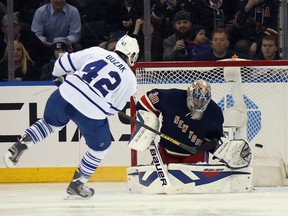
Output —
<point x="220" y="16"/>
<point x="35" y="48"/>
<point x="121" y="18"/>
<point x="24" y="65"/>
<point x="260" y="20"/>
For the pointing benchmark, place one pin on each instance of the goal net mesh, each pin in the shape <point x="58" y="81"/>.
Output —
<point x="264" y="89"/>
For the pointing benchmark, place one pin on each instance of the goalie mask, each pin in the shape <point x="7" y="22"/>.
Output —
<point x="129" y="47"/>
<point x="198" y="98"/>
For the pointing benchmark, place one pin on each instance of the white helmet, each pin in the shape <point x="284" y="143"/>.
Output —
<point x="199" y="91"/>
<point x="129" y="47"/>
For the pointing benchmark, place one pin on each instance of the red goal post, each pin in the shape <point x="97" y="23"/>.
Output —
<point x="264" y="86"/>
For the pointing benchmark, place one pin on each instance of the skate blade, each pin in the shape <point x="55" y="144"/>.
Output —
<point x="75" y="197"/>
<point x="7" y="161"/>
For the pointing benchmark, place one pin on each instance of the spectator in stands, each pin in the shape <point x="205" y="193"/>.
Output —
<point x="3" y="9"/>
<point x="255" y="18"/>
<point x="269" y="49"/>
<point x="93" y="14"/>
<point x="60" y="45"/>
<point x="34" y="46"/>
<point x="156" y="41"/>
<point x="24" y="65"/>
<point x="219" y="51"/>
<point x="200" y="42"/>
<point x="175" y="45"/>
<point x="57" y="19"/>
<point x="91" y="10"/>
<point x="25" y="10"/>
<point x="109" y="45"/>
<point x="121" y="19"/>
<point x="162" y="14"/>
<point x="214" y="14"/>
<point x="187" y="5"/>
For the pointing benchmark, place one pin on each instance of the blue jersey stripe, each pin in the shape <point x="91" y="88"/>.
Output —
<point x="70" y="61"/>
<point x="62" y="66"/>
<point x="89" y="99"/>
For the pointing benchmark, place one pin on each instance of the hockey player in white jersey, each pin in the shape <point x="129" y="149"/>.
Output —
<point x="98" y="84"/>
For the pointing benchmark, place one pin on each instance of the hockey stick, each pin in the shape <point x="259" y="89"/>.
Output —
<point x="159" y="166"/>
<point x="194" y="150"/>
<point x="162" y="173"/>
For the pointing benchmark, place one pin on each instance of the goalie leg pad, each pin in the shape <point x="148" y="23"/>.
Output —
<point x="192" y="178"/>
<point x="133" y="179"/>
<point x="144" y="179"/>
<point x="141" y="137"/>
<point x="209" y="178"/>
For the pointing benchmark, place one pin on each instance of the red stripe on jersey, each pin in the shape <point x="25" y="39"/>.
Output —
<point x="146" y="103"/>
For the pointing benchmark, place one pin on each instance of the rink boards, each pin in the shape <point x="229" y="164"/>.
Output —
<point x="55" y="158"/>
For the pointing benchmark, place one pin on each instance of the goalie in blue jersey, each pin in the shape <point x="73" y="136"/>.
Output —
<point x="189" y="116"/>
<point x="192" y="118"/>
<point x="98" y="84"/>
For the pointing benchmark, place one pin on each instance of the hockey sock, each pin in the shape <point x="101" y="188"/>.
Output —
<point x="90" y="161"/>
<point x="40" y="130"/>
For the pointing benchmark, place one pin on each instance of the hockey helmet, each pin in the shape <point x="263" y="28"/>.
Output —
<point x="198" y="98"/>
<point x="129" y="47"/>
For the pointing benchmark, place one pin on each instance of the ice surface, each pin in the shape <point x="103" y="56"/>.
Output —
<point x="115" y="199"/>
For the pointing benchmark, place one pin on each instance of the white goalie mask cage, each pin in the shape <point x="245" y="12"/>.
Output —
<point x="200" y="91"/>
<point x="129" y="47"/>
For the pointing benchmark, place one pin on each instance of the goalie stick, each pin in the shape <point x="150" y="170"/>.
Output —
<point x="159" y="166"/>
<point x="162" y="173"/>
<point x="194" y="150"/>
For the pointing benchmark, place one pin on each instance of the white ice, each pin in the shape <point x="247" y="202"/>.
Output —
<point x="115" y="199"/>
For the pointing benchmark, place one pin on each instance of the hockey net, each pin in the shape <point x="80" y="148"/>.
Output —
<point x="263" y="85"/>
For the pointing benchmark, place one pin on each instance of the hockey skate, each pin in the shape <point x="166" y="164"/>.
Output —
<point x="14" y="153"/>
<point x="77" y="189"/>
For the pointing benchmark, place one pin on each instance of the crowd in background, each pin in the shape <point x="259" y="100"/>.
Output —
<point x="181" y="30"/>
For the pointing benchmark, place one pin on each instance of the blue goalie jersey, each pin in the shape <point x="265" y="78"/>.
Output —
<point x="176" y="119"/>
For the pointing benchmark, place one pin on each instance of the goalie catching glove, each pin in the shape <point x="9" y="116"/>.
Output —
<point x="141" y="137"/>
<point x="235" y="154"/>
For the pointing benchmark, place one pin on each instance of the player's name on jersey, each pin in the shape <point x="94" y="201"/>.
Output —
<point x="115" y="62"/>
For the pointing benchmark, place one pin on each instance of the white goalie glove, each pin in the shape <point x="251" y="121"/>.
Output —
<point x="141" y="138"/>
<point x="235" y="154"/>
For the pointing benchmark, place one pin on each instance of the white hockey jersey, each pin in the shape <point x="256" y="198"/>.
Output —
<point x="99" y="83"/>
